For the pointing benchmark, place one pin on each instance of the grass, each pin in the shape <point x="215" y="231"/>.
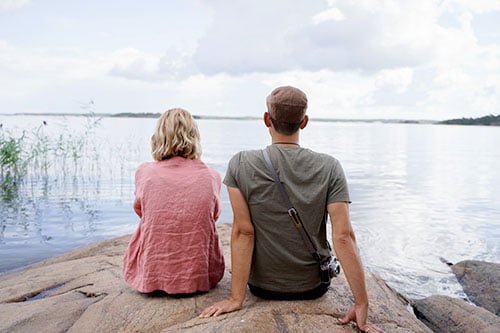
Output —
<point x="12" y="165"/>
<point x="36" y="155"/>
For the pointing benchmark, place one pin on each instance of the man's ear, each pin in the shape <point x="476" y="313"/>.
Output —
<point x="304" y="122"/>
<point x="267" y="119"/>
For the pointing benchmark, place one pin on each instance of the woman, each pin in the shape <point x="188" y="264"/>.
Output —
<point x="176" y="248"/>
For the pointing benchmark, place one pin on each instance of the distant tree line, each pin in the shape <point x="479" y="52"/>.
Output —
<point x="489" y="120"/>
<point x="136" y="115"/>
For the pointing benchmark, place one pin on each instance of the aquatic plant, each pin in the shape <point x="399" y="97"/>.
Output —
<point x="38" y="155"/>
<point x="12" y="164"/>
<point x="10" y="156"/>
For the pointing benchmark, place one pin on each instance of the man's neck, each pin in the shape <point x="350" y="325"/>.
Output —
<point x="286" y="140"/>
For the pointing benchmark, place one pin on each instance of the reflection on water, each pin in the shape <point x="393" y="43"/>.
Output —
<point x="53" y="217"/>
<point x="419" y="192"/>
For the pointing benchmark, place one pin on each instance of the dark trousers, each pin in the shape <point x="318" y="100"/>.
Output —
<point x="276" y="295"/>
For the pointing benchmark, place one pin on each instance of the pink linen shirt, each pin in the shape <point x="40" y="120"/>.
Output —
<point x="175" y="247"/>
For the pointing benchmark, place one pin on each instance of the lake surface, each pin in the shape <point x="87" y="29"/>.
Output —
<point x="419" y="192"/>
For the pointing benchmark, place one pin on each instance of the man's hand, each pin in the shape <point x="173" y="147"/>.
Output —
<point x="358" y="314"/>
<point x="225" y="306"/>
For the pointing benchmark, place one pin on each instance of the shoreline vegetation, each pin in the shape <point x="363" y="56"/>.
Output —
<point x="156" y="115"/>
<point x="489" y="120"/>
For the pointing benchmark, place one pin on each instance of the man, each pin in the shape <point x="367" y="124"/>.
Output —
<point x="267" y="251"/>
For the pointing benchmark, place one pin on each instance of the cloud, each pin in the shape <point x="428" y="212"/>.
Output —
<point x="248" y="37"/>
<point x="51" y="64"/>
<point x="372" y="36"/>
<point x="6" y="5"/>
<point x="314" y="35"/>
<point x="335" y="35"/>
<point x="476" y="6"/>
<point x="361" y="59"/>
<point x="133" y="64"/>
<point x="332" y="14"/>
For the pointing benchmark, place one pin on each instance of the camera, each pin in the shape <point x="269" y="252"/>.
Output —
<point x="329" y="268"/>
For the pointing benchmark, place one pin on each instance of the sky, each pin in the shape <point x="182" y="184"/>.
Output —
<point x="363" y="59"/>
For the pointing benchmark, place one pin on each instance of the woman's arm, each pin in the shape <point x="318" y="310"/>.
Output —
<point x="137" y="207"/>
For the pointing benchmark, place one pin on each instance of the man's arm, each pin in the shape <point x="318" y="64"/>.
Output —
<point x="242" y="242"/>
<point x="344" y="242"/>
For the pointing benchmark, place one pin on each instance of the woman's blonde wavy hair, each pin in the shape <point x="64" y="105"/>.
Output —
<point x="176" y="134"/>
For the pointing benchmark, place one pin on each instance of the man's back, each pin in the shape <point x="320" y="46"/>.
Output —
<point x="281" y="261"/>
<point x="266" y="252"/>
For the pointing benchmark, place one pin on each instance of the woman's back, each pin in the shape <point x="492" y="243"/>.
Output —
<point x="181" y="188"/>
<point x="175" y="247"/>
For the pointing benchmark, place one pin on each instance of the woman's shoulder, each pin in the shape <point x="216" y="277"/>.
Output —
<point x="210" y="171"/>
<point x="215" y="174"/>
<point x="144" y="166"/>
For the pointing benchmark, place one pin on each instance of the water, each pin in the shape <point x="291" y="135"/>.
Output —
<point x="419" y="192"/>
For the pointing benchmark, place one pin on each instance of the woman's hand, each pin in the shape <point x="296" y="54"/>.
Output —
<point x="225" y="306"/>
<point x="358" y="314"/>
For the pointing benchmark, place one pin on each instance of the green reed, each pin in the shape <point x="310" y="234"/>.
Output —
<point x="39" y="154"/>
<point x="12" y="164"/>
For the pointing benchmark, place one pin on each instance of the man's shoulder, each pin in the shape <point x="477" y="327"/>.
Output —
<point x="251" y="156"/>
<point x="321" y="157"/>
<point x="246" y="155"/>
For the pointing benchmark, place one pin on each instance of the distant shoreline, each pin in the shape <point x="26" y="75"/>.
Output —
<point x="157" y="115"/>
<point x="489" y="120"/>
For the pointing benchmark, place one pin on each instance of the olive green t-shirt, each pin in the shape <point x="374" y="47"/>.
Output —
<point x="281" y="261"/>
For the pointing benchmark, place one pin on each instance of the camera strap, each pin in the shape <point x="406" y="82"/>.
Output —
<point x="292" y="212"/>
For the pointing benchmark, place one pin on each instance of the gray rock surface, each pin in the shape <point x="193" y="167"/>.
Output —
<point x="83" y="291"/>
<point x="446" y="314"/>
<point x="481" y="282"/>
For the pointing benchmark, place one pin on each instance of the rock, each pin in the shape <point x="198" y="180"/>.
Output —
<point x="447" y="314"/>
<point x="83" y="291"/>
<point x="481" y="282"/>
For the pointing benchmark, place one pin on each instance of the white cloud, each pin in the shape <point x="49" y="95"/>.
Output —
<point x="331" y="14"/>
<point x="248" y="37"/>
<point x="274" y="37"/>
<point x="337" y="35"/>
<point x="133" y="64"/>
<point x="354" y="59"/>
<point x="50" y="64"/>
<point x="397" y="79"/>
<point x="12" y="4"/>
<point x="477" y="6"/>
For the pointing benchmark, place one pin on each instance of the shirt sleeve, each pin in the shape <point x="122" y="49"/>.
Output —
<point x="231" y="174"/>
<point x="338" y="190"/>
